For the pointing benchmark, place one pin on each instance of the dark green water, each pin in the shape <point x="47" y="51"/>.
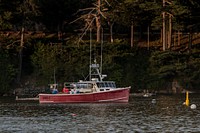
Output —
<point x="140" y="115"/>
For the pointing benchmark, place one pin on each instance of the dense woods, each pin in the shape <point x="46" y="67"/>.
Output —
<point x="146" y="44"/>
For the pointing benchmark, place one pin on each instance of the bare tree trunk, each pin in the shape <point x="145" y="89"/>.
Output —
<point x="170" y="32"/>
<point x="164" y="33"/>
<point x="161" y="35"/>
<point x="98" y="21"/>
<point x="190" y="41"/>
<point x="132" y="35"/>
<point x="148" y="37"/>
<point x="174" y="39"/>
<point x="164" y="29"/>
<point x="59" y="30"/>
<point x="20" y="55"/>
<point x="98" y="29"/>
<point x="111" y="32"/>
<point x="179" y="38"/>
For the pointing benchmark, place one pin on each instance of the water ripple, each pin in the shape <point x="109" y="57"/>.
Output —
<point x="138" y="116"/>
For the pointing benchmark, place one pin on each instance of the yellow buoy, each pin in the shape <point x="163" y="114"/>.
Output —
<point x="187" y="99"/>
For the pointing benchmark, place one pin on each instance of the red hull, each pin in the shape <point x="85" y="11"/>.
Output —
<point x="118" y="95"/>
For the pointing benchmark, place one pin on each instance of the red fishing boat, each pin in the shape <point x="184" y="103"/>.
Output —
<point x="93" y="91"/>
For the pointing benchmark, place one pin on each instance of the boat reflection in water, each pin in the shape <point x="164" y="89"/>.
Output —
<point x="95" y="90"/>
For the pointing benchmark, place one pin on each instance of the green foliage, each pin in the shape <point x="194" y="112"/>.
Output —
<point x="122" y="64"/>
<point x="7" y="71"/>
<point x="135" y="66"/>
<point x="127" y="66"/>
<point x="5" y="20"/>
<point x="67" y="61"/>
<point x="184" y="67"/>
<point x="162" y="66"/>
<point x="56" y="14"/>
<point x="131" y="12"/>
<point x="44" y="59"/>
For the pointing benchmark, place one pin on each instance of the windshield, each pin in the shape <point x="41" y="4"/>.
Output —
<point x="83" y="86"/>
<point x="106" y="84"/>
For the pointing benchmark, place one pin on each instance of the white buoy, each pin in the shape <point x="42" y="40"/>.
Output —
<point x="153" y="101"/>
<point x="193" y="106"/>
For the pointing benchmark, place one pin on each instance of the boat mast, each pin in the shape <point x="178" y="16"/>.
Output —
<point x="101" y="51"/>
<point x="54" y="75"/>
<point x="90" y="54"/>
<point x="100" y="74"/>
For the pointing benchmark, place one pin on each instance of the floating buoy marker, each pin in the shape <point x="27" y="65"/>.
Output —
<point x="153" y="101"/>
<point x="193" y="106"/>
<point x="73" y="114"/>
<point x="187" y="99"/>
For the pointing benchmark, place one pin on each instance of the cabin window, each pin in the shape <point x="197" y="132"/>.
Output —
<point x="100" y="85"/>
<point x="113" y="85"/>
<point x="106" y="84"/>
<point x="84" y="86"/>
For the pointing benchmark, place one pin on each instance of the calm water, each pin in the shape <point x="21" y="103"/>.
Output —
<point x="140" y="115"/>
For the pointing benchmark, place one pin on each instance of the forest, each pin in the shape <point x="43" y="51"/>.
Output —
<point x="147" y="44"/>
